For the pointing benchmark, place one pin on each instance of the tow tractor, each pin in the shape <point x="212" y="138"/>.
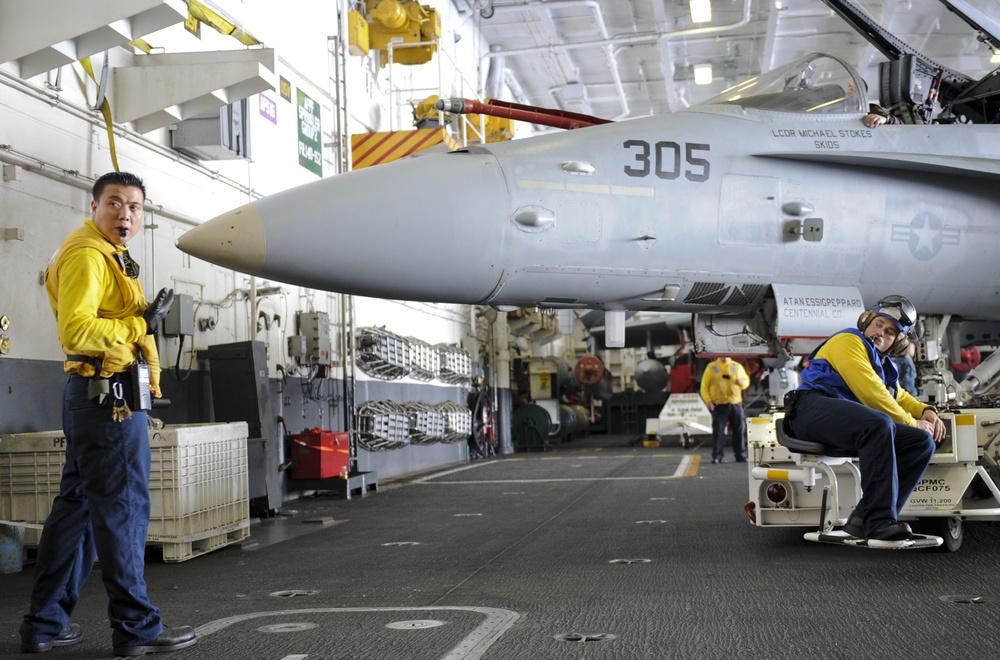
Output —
<point x="819" y="492"/>
<point x="816" y="491"/>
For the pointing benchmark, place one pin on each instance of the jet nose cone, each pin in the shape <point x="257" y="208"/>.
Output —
<point x="234" y="239"/>
<point x="433" y="228"/>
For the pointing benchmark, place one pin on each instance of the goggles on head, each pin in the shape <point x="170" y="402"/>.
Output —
<point x="900" y="310"/>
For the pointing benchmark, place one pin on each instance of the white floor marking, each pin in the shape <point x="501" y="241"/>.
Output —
<point x="447" y="472"/>
<point x="683" y="467"/>
<point x="682" y="470"/>
<point x="472" y="647"/>
<point x="667" y="477"/>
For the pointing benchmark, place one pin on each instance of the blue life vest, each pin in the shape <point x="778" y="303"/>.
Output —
<point x="819" y="375"/>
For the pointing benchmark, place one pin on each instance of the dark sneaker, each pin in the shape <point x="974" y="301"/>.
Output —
<point x="170" y="639"/>
<point x="855" y="525"/>
<point x="72" y="634"/>
<point x="891" y="530"/>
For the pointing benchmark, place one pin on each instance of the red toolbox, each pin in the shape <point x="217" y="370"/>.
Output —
<point x="320" y="454"/>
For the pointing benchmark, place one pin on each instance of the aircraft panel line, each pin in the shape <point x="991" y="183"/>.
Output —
<point x="594" y="188"/>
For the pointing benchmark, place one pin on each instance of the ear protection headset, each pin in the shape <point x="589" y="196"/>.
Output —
<point x="900" y="311"/>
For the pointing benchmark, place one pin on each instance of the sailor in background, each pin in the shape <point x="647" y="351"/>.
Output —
<point x="722" y="388"/>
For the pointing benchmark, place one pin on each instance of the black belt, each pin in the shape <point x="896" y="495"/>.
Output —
<point x="123" y="376"/>
<point x="98" y="365"/>
<point x="96" y="362"/>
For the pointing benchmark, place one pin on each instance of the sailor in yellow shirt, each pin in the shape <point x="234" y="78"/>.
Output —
<point x="105" y="329"/>
<point x="850" y="398"/>
<point x="722" y="388"/>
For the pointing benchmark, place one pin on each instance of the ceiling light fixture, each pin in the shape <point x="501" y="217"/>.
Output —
<point x="995" y="59"/>
<point x="701" y="11"/>
<point x="703" y="74"/>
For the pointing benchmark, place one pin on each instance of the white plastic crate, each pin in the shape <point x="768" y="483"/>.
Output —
<point x="198" y="480"/>
<point x="30" y="468"/>
<point x="199" y="494"/>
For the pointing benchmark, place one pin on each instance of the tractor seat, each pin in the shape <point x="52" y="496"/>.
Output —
<point x="786" y="439"/>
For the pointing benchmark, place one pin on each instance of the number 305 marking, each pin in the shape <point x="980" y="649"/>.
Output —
<point x="666" y="160"/>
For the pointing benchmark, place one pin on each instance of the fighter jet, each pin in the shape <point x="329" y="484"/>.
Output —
<point x="771" y="201"/>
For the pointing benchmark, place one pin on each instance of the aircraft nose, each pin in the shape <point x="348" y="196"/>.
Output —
<point x="431" y="223"/>
<point x="235" y="240"/>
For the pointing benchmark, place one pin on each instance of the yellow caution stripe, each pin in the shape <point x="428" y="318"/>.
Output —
<point x="369" y="149"/>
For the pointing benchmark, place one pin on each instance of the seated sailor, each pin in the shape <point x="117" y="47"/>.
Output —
<point x="850" y="399"/>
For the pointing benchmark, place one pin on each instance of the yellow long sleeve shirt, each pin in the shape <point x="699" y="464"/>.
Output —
<point x="98" y="308"/>
<point x="717" y="389"/>
<point x="847" y="355"/>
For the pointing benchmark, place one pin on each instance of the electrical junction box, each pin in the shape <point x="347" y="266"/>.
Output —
<point x="180" y="319"/>
<point x="312" y="344"/>
<point x="320" y="455"/>
<point x="297" y="348"/>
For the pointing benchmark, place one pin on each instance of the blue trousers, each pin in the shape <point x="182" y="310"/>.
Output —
<point x="892" y="456"/>
<point x="731" y="413"/>
<point x="103" y="509"/>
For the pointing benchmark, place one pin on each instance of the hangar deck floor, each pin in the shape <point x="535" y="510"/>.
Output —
<point x="518" y="558"/>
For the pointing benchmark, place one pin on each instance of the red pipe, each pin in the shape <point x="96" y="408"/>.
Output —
<point x="532" y="114"/>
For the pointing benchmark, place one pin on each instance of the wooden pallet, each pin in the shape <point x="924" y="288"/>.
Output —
<point x="178" y="550"/>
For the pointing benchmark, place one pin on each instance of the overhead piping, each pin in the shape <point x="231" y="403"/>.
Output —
<point x="606" y="43"/>
<point x="629" y="39"/>
<point x="494" y="78"/>
<point x="76" y="180"/>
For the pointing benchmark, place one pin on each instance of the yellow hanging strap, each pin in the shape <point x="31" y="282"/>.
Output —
<point x="105" y="110"/>
<point x="200" y="13"/>
<point x="141" y="44"/>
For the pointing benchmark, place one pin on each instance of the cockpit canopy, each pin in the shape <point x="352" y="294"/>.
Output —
<point x="818" y="83"/>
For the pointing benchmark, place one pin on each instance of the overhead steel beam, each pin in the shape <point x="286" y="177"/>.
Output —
<point x="40" y="35"/>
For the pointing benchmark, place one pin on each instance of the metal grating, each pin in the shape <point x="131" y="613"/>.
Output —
<point x="456" y="365"/>
<point x="425" y="360"/>
<point x="382" y="354"/>
<point x="458" y="421"/>
<point x="707" y="293"/>
<point x="383" y="425"/>
<point x="746" y="294"/>
<point x="427" y="422"/>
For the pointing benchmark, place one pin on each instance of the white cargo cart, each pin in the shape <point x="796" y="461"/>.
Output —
<point x="683" y="415"/>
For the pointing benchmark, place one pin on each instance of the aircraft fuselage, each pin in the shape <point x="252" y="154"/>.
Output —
<point x="697" y="211"/>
